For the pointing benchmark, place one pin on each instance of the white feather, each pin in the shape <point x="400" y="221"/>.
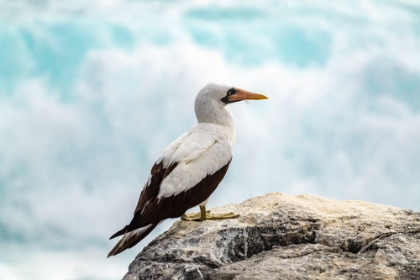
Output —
<point x="203" y="152"/>
<point x="204" y="148"/>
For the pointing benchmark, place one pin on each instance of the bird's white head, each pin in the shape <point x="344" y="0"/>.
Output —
<point x="211" y="101"/>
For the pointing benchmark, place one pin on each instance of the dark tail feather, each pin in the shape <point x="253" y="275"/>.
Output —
<point x="130" y="239"/>
<point x="120" y="232"/>
<point x="131" y="227"/>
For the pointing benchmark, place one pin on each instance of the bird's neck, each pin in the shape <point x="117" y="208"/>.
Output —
<point x="215" y="115"/>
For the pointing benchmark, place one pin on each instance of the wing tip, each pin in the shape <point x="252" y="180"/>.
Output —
<point x="120" y="232"/>
<point x="130" y="239"/>
<point x="112" y="253"/>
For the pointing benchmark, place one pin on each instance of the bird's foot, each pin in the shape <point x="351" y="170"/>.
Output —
<point x="223" y="216"/>
<point x="191" y="217"/>
<point x="208" y="216"/>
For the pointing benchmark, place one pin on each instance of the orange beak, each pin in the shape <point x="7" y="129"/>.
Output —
<point x="242" y="94"/>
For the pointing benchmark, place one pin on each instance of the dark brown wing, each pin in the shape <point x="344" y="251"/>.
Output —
<point x="158" y="173"/>
<point x="150" y="210"/>
<point x="151" y="191"/>
<point x="175" y="206"/>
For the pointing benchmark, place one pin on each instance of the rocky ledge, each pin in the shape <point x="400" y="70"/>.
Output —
<point x="278" y="236"/>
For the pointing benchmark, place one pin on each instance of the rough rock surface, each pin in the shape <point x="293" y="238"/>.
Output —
<point x="279" y="236"/>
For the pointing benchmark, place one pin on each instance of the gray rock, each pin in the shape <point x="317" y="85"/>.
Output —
<point x="278" y="236"/>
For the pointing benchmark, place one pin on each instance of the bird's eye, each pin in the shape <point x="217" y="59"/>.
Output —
<point x="231" y="91"/>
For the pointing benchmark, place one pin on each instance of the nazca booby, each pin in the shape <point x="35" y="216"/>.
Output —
<point x="189" y="169"/>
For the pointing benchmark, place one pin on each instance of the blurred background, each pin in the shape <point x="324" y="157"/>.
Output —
<point x="91" y="92"/>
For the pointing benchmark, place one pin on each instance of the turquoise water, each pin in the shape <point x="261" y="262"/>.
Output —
<point x="91" y="93"/>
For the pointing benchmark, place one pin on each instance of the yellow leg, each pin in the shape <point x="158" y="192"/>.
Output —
<point x="206" y="215"/>
<point x="203" y="213"/>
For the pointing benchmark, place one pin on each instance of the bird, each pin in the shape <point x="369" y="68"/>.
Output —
<point x="190" y="169"/>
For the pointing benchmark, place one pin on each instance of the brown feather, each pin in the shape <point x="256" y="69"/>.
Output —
<point x="126" y="243"/>
<point x="151" y="210"/>
<point x="175" y="206"/>
<point x="150" y="191"/>
<point x="169" y="169"/>
<point x="120" y="232"/>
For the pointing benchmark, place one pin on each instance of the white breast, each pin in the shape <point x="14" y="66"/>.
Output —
<point x="201" y="151"/>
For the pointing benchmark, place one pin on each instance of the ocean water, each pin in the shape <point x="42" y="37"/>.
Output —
<point x="91" y="92"/>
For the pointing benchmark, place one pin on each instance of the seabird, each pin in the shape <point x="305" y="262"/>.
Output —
<point x="189" y="169"/>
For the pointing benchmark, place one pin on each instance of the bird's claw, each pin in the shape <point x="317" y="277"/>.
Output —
<point x="209" y="216"/>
